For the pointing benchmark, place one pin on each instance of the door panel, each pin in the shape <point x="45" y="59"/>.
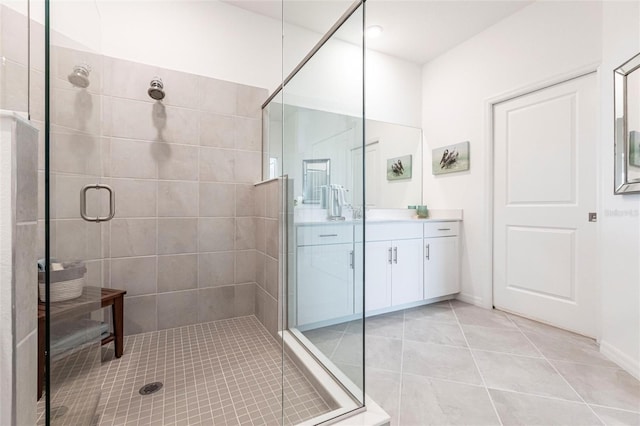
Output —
<point x="406" y="272"/>
<point x="441" y="267"/>
<point x="545" y="164"/>
<point x="325" y="283"/>
<point x="378" y="275"/>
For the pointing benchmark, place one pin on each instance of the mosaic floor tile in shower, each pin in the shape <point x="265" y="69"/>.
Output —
<point x="225" y="372"/>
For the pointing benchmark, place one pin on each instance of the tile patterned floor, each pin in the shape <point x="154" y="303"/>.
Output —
<point x="452" y="363"/>
<point x="225" y="372"/>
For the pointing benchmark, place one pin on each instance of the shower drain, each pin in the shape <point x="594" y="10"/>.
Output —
<point x="150" y="388"/>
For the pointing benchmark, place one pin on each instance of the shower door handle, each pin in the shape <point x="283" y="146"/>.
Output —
<point x="83" y="203"/>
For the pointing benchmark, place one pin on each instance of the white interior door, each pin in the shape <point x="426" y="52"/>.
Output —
<point x="545" y="186"/>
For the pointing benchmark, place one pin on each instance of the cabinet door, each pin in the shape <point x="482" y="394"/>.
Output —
<point x="441" y="267"/>
<point x="378" y="275"/>
<point x="325" y="283"/>
<point x="406" y="272"/>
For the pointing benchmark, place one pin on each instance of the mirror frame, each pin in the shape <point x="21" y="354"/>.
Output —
<point x="622" y="185"/>
<point x="305" y="167"/>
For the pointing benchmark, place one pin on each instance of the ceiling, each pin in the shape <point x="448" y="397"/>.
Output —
<point x="417" y="31"/>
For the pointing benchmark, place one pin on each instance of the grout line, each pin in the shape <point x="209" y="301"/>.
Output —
<point x="404" y="319"/>
<point x="556" y="370"/>
<point x="495" y="410"/>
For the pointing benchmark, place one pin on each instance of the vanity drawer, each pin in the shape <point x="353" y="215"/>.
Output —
<point x="324" y="234"/>
<point x="393" y="231"/>
<point x="441" y="229"/>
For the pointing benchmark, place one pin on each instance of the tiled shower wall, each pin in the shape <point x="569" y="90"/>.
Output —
<point x="268" y="247"/>
<point x="184" y="237"/>
<point x="183" y="242"/>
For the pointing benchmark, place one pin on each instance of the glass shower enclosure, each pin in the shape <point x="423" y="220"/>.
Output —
<point x="313" y="140"/>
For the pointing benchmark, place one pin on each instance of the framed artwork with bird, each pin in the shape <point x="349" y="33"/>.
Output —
<point x="399" y="168"/>
<point x="450" y="159"/>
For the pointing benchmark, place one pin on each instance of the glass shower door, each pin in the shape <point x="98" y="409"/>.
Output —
<point x="322" y="136"/>
<point x="79" y="203"/>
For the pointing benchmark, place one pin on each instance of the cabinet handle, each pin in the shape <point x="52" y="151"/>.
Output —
<point x="395" y="255"/>
<point x="428" y="251"/>
<point x="328" y="235"/>
<point x="389" y="255"/>
<point x="444" y="229"/>
<point x="351" y="259"/>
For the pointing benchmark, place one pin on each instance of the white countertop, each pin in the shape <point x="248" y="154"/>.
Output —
<point x="380" y="216"/>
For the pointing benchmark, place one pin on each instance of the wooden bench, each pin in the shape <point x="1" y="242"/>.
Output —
<point x="92" y="299"/>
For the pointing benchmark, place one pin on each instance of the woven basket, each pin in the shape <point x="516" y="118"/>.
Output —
<point x="66" y="284"/>
<point x="63" y="290"/>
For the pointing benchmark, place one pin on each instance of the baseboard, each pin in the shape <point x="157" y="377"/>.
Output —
<point x="625" y="362"/>
<point x="468" y="298"/>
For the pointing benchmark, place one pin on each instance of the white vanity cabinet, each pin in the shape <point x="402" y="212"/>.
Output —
<point x="325" y="261"/>
<point x="393" y="270"/>
<point x="441" y="259"/>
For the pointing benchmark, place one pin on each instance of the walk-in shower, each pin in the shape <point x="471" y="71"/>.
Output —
<point x="184" y="284"/>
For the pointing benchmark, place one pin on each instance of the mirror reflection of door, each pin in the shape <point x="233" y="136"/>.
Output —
<point x="372" y="166"/>
<point x="316" y="175"/>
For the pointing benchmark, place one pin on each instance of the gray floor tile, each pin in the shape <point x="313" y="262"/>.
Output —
<point x="435" y="402"/>
<point x="499" y="340"/>
<point x="325" y="340"/>
<point x="613" y="417"/>
<point x="571" y="350"/>
<point x="532" y="326"/>
<point x="349" y="350"/>
<point x="438" y="361"/>
<point x="611" y="387"/>
<point x="473" y="315"/>
<point x="529" y="375"/>
<point x="384" y="387"/>
<point x="439" y="312"/>
<point x="526" y="410"/>
<point x="428" y="331"/>
<point x="383" y="353"/>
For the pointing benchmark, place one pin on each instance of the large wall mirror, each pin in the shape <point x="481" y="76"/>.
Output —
<point x="627" y="126"/>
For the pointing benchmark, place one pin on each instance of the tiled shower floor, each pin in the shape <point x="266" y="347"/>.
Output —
<point x="226" y="372"/>
<point x="452" y="363"/>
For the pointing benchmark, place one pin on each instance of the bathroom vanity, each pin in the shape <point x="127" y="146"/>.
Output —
<point x="409" y="262"/>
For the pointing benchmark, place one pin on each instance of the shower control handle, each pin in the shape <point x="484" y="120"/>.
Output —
<point x="83" y="203"/>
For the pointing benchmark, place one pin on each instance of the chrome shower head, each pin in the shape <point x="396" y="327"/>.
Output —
<point x="156" y="91"/>
<point x="80" y="76"/>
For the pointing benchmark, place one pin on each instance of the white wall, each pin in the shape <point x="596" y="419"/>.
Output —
<point x="545" y="40"/>
<point x="541" y="41"/>
<point x="619" y="219"/>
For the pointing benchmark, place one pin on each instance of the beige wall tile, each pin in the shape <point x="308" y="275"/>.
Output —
<point x="248" y="168"/>
<point x="244" y="200"/>
<point x="248" y="134"/>
<point x="177" y="272"/>
<point x="217" y="130"/>
<point x="271" y="231"/>
<point x="217" y="199"/>
<point x="216" y="269"/>
<point x="250" y="100"/>
<point x="177" y="236"/>
<point x="176" y="162"/>
<point x="245" y="266"/>
<point x="140" y="314"/>
<point x="133" y="159"/>
<point x="133" y="237"/>
<point x="135" y="198"/>
<point x="218" y="96"/>
<point x="216" y="234"/>
<point x="177" y="199"/>
<point x="137" y="275"/>
<point x="217" y="165"/>
<point x="216" y="303"/>
<point x="245" y="233"/>
<point x="177" y="309"/>
<point x="26" y="280"/>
